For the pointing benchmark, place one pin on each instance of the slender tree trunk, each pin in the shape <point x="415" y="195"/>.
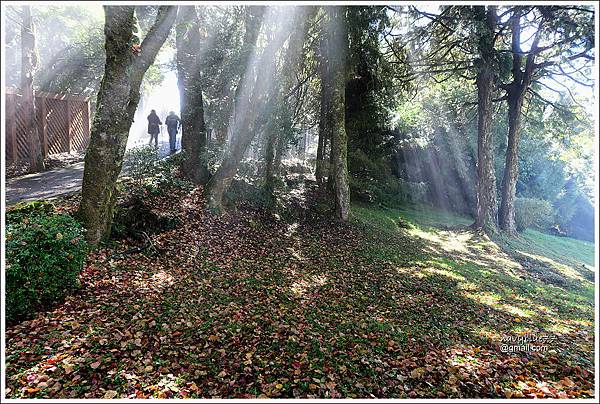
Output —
<point x="487" y="214"/>
<point x="193" y="138"/>
<point x="276" y="142"/>
<point x="221" y="180"/>
<point x="251" y="104"/>
<point x="339" y="169"/>
<point x="269" y="187"/>
<point x="117" y="101"/>
<point x="324" y="126"/>
<point x="280" y="149"/>
<point x="319" y="169"/>
<point x="252" y="23"/>
<point x="29" y="61"/>
<point x="511" y="168"/>
<point x="516" y="91"/>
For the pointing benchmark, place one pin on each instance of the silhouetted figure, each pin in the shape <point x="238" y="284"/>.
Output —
<point x="173" y="124"/>
<point x="154" y="127"/>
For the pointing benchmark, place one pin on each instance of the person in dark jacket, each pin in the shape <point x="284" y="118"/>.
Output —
<point x="173" y="125"/>
<point x="154" y="127"/>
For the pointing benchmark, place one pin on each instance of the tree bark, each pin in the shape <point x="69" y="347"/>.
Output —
<point x="193" y="137"/>
<point x="324" y="132"/>
<point x="338" y="51"/>
<point x="269" y="187"/>
<point x="516" y="91"/>
<point x="29" y="62"/>
<point x="117" y="101"/>
<point x="487" y="211"/>
<point x="511" y="168"/>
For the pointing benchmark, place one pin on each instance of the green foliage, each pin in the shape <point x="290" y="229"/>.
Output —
<point x="371" y="89"/>
<point x="373" y="181"/>
<point x="44" y="254"/>
<point x="533" y="213"/>
<point x="246" y="191"/>
<point x="141" y="163"/>
<point x="35" y="208"/>
<point x="151" y="174"/>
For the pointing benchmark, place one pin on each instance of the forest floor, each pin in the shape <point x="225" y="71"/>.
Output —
<point x="250" y="304"/>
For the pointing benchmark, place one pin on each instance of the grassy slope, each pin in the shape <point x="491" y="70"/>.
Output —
<point x="545" y="282"/>
<point x="569" y="261"/>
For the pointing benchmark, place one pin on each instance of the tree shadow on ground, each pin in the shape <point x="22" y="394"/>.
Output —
<point x="248" y="305"/>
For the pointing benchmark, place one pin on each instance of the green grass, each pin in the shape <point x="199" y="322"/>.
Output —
<point x="423" y="216"/>
<point x="564" y="250"/>
<point x="362" y="305"/>
<point x="568" y="251"/>
<point x="523" y="275"/>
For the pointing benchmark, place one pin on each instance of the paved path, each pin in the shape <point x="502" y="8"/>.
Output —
<point x="50" y="184"/>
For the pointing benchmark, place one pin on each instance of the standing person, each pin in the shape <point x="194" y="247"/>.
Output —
<point x="154" y="127"/>
<point x="173" y="125"/>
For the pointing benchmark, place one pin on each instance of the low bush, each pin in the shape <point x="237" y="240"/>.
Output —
<point x="533" y="213"/>
<point x="136" y="216"/>
<point x="44" y="254"/>
<point x="150" y="174"/>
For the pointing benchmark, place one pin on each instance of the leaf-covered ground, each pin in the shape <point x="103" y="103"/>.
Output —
<point x="251" y="305"/>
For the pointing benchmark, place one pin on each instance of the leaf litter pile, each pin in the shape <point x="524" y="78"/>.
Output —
<point x="249" y="305"/>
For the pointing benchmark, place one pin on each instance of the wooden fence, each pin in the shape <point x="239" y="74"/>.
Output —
<point x="63" y="124"/>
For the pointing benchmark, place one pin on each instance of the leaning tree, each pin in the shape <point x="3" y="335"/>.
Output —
<point x="116" y="104"/>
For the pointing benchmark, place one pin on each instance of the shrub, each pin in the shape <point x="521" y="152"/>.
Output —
<point x="151" y="174"/>
<point x="44" y="255"/>
<point x="533" y="213"/>
<point x="141" y="163"/>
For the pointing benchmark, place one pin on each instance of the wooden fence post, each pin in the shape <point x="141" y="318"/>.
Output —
<point x="44" y="124"/>
<point x="12" y="127"/>
<point x="69" y="124"/>
<point x="88" y="125"/>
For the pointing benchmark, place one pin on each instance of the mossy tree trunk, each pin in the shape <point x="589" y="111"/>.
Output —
<point x="29" y="62"/>
<point x="117" y="101"/>
<point x="338" y="49"/>
<point x="487" y="211"/>
<point x="193" y="137"/>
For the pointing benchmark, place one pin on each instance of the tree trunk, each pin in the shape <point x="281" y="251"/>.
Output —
<point x="516" y="91"/>
<point x="511" y="168"/>
<point x="276" y="141"/>
<point x="487" y="214"/>
<point x="252" y="22"/>
<point x="193" y="137"/>
<point x="270" y="141"/>
<point x="320" y="169"/>
<point x="117" y="101"/>
<point x="29" y="61"/>
<point x="338" y="51"/>
<point x="250" y="105"/>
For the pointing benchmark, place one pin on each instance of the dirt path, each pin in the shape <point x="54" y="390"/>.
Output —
<point x="51" y="184"/>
